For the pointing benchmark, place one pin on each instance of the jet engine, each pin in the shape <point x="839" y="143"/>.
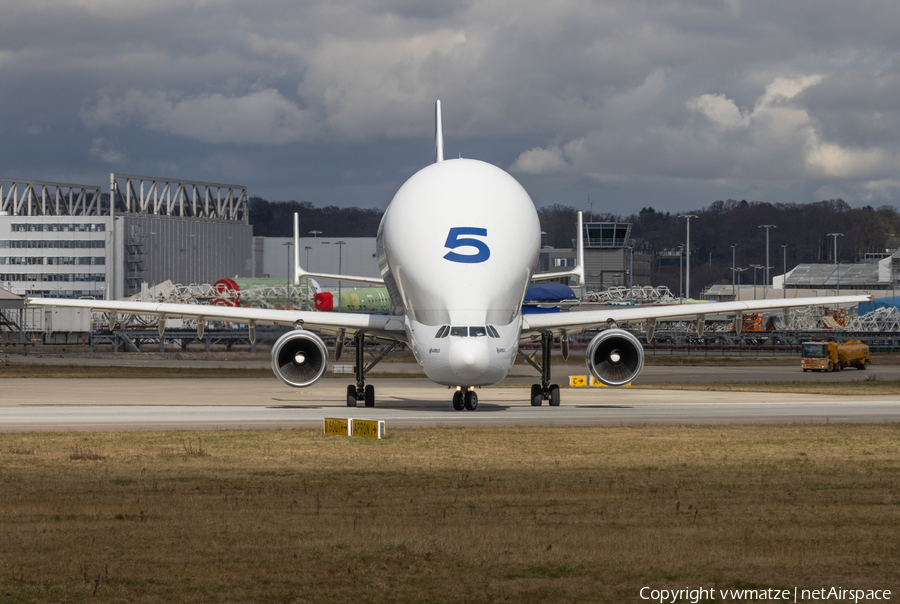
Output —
<point x="615" y="357"/>
<point x="299" y="358"/>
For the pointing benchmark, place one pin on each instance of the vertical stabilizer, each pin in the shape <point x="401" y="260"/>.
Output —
<point x="438" y="134"/>
<point x="579" y="253"/>
<point x="298" y="270"/>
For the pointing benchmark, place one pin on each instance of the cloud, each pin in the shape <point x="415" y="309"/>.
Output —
<point x="259" y="118"/>
<point x="776" y="123"/>
<point x="540" y="161"/>
<point x="549" y="160"/>
<point x="103" y="150"/>
<point x="720" y="110"/>
<point x="675" y="104"/>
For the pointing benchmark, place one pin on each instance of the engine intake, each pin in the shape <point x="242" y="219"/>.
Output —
<point x="299" y="358"/>
<point x="615" y="357"/>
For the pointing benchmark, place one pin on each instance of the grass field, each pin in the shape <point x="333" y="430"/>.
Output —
<point x="512" y="514"/>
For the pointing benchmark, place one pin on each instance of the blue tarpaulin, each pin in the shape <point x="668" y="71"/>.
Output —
<point x="545" y="294"/>
<point x="548" y="292"/>
<point x="887" y="302"/>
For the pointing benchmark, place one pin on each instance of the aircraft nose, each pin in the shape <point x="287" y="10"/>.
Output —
<point x="469" y="358"/>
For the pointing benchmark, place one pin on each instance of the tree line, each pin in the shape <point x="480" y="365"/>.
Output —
<point x="803" y="227"/>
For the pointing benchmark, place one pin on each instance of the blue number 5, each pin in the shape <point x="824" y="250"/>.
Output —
<point x="454" y="241"/>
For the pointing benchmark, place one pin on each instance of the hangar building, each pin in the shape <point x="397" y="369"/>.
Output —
<point x="68" y="241"/>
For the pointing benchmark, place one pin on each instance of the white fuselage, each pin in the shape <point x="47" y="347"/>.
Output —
<point x="457" y="247"/>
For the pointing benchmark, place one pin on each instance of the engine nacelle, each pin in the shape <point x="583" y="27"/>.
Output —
<point x="299" y="358"/>
<point x="615" y="357"/>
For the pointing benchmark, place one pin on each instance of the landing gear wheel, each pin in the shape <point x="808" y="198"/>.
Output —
<point x="351" y="396"/>
<point x="805" y="370"/>
<point x="554" y="395"/>
<point x="458" y="400"/>
<point x="471" y="400"/>
<point x="370" y="396"/>
<point x="537" y="395"/>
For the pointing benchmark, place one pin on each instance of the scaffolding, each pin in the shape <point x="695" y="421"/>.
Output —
<point x="638" y="294"/>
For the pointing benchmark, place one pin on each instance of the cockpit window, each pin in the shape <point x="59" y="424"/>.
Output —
<point x="459" y="332"/>
<point x="443" y="331"/>
<point x="492" y="332"/>
<point x="477" y="332"/>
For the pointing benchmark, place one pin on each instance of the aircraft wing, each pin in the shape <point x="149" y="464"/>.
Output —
<point x="390" y="326"/>
<point x="577" y="321"/>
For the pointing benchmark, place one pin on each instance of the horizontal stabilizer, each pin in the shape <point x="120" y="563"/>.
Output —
<point x="300" y="272"/>
<point x="578" y="270"/>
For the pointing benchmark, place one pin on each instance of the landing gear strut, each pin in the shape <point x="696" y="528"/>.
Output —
<point x="545" y="391"/>
<point x="362" y="392"/>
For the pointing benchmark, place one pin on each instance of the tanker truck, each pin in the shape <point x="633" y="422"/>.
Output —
<point x="832" y="356"/>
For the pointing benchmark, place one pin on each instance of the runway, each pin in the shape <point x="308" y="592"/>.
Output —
<point x="159" y="404"/>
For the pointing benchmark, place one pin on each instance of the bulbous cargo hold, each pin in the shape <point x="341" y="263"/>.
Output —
<point x="615" y="357"/>
<point x="299" y="358"/>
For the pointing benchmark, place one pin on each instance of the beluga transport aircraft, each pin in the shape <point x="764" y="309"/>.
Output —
<point x="457" y="248"/>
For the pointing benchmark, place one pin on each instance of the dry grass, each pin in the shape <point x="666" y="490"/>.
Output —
<point x="512" y="514"/>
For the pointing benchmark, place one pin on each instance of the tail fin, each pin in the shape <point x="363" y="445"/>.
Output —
<point x="579" y="253"/>
<point x="438" y="134"/>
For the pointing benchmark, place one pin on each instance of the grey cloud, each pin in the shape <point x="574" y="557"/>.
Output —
<point x="636" y="102"/>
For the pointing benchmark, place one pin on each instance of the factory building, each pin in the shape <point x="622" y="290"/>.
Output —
<point x="877" y="277"/>
<point x="69" y="241"/>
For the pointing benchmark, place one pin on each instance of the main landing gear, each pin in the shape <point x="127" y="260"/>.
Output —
<point x="545" y="391"/>
<point x="361" y="391"/>
<point x="465" y="399"/>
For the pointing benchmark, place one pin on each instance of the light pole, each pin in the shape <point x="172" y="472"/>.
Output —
<point x="305" y="291"/>
<point x="767" y="227"/>
<point x="784" y="269"/>
<point x="755" y="267"/>
<point x="838" y="271"/>
<point x="687" y="281"/>
<point x="315" y="233"/>
<point x="680" y="272"/>
<point x="631" y="270"/>
<point x="340" y="245"/>
<point x="288" y="245"/>
<point x="733" y="273"/>
<point x="737" y="271"/>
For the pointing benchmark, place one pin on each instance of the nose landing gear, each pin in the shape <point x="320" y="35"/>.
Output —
<point x="467" y="400"/>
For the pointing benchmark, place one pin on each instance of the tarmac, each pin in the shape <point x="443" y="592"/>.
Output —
<point x="163" y="404"/>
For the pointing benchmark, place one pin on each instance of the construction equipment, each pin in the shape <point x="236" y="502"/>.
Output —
<point x="832" y="356"/>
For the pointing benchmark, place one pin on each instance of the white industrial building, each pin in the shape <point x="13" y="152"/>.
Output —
<point x="68" y="241"/>
<point x="877" y="277"/>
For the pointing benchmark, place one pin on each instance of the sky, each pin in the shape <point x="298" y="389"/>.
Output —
<point x="628" y="104"/>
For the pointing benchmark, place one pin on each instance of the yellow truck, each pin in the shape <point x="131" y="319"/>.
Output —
<point x="832" y="356"/>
